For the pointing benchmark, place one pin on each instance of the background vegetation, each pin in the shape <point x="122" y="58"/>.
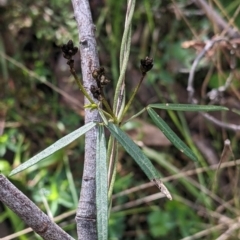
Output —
<point x="40" y="103"/>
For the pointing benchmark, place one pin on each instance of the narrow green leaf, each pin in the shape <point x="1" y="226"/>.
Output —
<point x="188" y="107"/>
<point x="54" y="147"/>
<point x="134" y="151"/>
<point x="103" y="116"/>
<point x="101" y="186"/>
<point x="172" y="137"/>
<point x="139" y="157"/>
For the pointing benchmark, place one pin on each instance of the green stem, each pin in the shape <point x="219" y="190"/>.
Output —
<point x="131" y="98"/>
<point x="72" y="70"/>
<point x="106" y="113"/>
<point x="111" y="160"/>
<point x="112" y="165"/>
<point x="135" y="115"/>
<point x="126" y="31"/>
<point x="109" y="110"/>
<point x="122" y="100"/>
<point x="114" y="173"/>
<point x="122" y="75"/>
<point x="124" y="53"/>
<point x="105" y="103"/>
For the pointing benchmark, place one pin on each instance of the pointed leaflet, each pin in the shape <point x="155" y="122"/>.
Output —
<point x="54" y="147"/>
<point x="136" y="153"/>
<point x="133" y="150"/>
<point x="172" y="137"/>
<point x="101" y="186"/>
<point x="187" y="107"/>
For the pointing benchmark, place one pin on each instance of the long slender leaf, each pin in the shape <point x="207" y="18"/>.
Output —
<point x="172" y="137"/>
<point x="101" y="186"/>
<point x="188" y="107"/>
<point x="54" y="147"/>
<point x="135" y="152"/>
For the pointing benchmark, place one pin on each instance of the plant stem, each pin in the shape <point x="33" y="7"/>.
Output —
<point x="105" y="113"/>
<point x="107" y="106"/>
<point x="124" y="53"/>
<point x="131" y="98"/>
<point x="111" y="158"/>
<point x="73" y="72"/>
<point x="135" y="115"/>
<point x="112" y="166"/>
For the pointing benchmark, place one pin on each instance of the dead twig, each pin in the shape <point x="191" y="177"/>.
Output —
<point x="229" y="126"/>
<point x="215" y="92"/>
<point x="216" y="18"/>
<point x="177" y="176"/>
<point x="29" y="212"/>
<point x="232" y="227"/>
<point x="207" y="47"/>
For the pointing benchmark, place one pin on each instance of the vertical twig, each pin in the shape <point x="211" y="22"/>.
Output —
<point x="86" y="212"/>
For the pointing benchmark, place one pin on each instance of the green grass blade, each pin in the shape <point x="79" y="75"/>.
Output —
<point x="172" y="137"/>
<point x="188" y="107"/>
<point x="54" y="147"/>
<point x="139" y="157"/>
<point x="101" y="186"/>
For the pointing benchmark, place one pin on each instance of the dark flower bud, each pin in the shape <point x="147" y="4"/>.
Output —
<point x="96" y="92"/>
<point x="101" y="80"/>
<point x="75" y="49"/>
<point x="101" y="70"/>
<point x="70" y="44"/>
<point x="64" y="48"/>
<point x="69" y="50"/>
<point x="104" y="80"/>
<point x="93" y="89"/>
<point x="146" y="65"/>
<point x="95" y="74"/>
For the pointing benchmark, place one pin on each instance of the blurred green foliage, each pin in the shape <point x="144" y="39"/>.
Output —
<point x="174" y="220"/>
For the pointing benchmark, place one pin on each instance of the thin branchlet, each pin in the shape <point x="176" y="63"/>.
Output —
<point x="69" y="50"/>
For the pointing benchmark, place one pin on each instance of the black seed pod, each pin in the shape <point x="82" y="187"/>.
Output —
<point x="75" y="49"/>
<point x="64" y="48"/>
<point x="146" y="65"/>
<point x="95" y="74"/>
<point x="101" y="70"/>
<point x="99" y="75"/>
<point x="96" y="92"/>
<point x="103" y="80"/>
<point x="69" y="50"/>
<point x="70" y="44"/>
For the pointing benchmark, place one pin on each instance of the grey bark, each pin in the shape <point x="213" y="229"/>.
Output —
<point x="86" y="212"/>
<point x="29" y="212"/>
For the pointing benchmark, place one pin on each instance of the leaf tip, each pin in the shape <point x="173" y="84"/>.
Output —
<point x="194" y="158"/>
<point x="162" y="188"/>
<point x="11" y="173"/>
